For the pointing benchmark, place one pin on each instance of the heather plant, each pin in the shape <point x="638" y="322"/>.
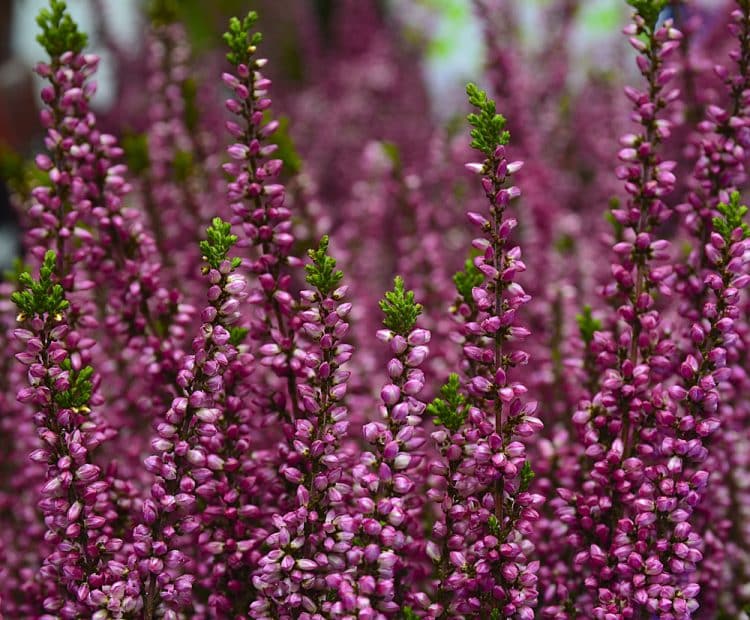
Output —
<point x="274" y="367"/>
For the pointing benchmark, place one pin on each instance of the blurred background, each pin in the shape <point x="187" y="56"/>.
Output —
<point x="404" y="61"/>
<point x="442" y="35"/>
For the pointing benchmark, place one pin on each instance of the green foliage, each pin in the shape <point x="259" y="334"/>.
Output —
<point x="399" y="308"/>
<point x="237" y="335"/>
<point x="649" y="10"/>
<point x="163" y="12"/>
<point x="240" y="40"/>
<point x="60" y="33"/>
<point x="135" y="146"/>
<point x="40" y="297"/>
<point x="731" y="218"/>
<point x="409" y="614"/>
<point x="587" y="324"/>
<point x="77" y="396"/>
<point x="493" y="525"/>
<point x="449" y="410"/>
<point x="527" y="476"/>
<point x="286" y="152"/>
<point x="191" y="114"/>
<point x="467" y="279"/>
<point x="617" y="228"/>
<point x="322" y="273"/>
<point x="22" y="175"/>
<point x="495" y="614"/>
<point x="392" y="152"/>
<point x="182" y="165"/>
<point x="11" y="166"/>
<point x="565" y="244"/>
<point x="488" y="127"/>
<point x="220" y="240"/>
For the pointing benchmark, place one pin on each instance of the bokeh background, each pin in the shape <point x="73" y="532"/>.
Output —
<point x="442" y="37"/>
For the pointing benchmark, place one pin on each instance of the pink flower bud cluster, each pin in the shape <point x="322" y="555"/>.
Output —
<point x="387" y="481"/>
<point x="488" y="510"/>
<point x="262" y="469"/>
<point x="186" y="462"/>
<point x="724" y="136"/>
<point x="76" y="497"/>
<point x="174" y="203"/>
<point x="631" y="431"/>
<point x="257" y="203"/>
<point x="305" y="558"/>
<point x="102" y="244"/>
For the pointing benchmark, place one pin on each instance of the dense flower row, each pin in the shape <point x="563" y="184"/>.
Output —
<point x="200" y="423"/>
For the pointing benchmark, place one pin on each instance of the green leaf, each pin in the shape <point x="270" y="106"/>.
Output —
<point x="649" y="10"/>
<point x="287" y="151"/>
<point x="135" y="146"/>
<point x="240" y="40"/>
<point x="565" y="244"/>
<point x="78" y="395"/>
<point x="40" y="297"/>
<point x="617" y="227"/>
<point x="220" y="240"/>
<point x="587" y="324"/>
<point x="322" y="273"/>
<point x="449" y="410"/>
<point x="191" y="113"/>
<point x="493" y="525"/>
<point x="731" y="218"/>
<point x="60" y="33"/>
<point x="409" y="614"/>
<point x="182" y="165"/>
<point x="13" y="275"/>
<point x="163" y="12"/>
<point x="399" y="308"/>
<point x="467" y="279"/>
<point x="527" y="476"/>
<point x="392" y="152"/>
<point x="237" y="335"/>
<point x="488" y="127"/>
<point x="12" y="167"/>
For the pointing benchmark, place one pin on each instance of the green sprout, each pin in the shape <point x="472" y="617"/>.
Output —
<point x="322" y="273"/>
<point x="450" y="409"/>
<point x="42" y="297"/>
<point x="60" y="33"/>
<point x="488" y="126"/>
<point x="240" y="40"/>
<point x="399" y="308"/>
<point x="220" y="240"/>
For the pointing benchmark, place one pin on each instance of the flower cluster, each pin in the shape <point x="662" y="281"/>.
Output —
<point x="295" y="574"/>
<point x="75" y="499"/>
<point x="199" y="423"/>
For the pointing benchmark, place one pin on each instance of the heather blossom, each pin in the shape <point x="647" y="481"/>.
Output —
<point x="76" y="503"/>
<point x="303" y="562"/>
<point x="201" y="424"/>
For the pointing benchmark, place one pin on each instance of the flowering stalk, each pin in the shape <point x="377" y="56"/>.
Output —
<point x="257" y="202"/>
<point x="295" y="574"/>
<point x="165" y="154"/>
<point x="57" y="209"/>
<point x="493" y="573"/>
<point x="182" y="463"/>
<point x="620" y="425"/>
<point x="720" y="164"/>
<point x="75" y="500"/>
<point x="684" y="481"/>
<point x="389" y="475"/>
<point x="103" y="248"/>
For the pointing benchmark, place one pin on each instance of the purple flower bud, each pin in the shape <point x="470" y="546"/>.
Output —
<point x="390" y="394"/>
